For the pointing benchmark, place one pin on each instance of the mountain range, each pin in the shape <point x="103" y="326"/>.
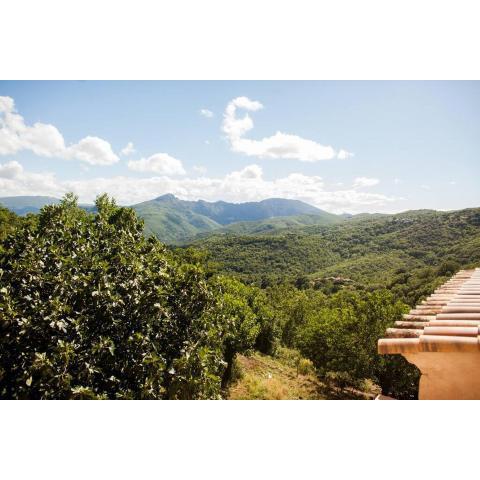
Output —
<point x="173" y="220"/>
<point x="277" y="239"/>
<point x="371" y="250"/>
<point x="22" y="205"/>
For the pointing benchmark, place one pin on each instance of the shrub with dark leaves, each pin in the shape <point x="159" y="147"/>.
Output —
<point x="90" y="308"/>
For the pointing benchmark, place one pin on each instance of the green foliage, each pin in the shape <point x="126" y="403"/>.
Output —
<point x="271" y="225"/>
<point x="341" y="340"/>
<point x="8" y="222"/>
<point x="339" y="334"/>
<point x="175" y="221"/>
<point x="250" y="322"/>
<point x="292" y="308"/>
<point x="367" y="252"/>
<point x="90" y="308"/>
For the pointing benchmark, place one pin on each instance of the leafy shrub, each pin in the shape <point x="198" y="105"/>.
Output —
<point x="90" y="308"/>
<point x="341" y="340"/>
<point x="305" y="366"/>
<point x="249" y="321"/>
<point x="8" y="222"/>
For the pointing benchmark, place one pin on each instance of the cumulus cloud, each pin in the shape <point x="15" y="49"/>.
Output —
<point x="92" y="150"/>
<point x="46" y="140"/>
<point x="14" y="180"/>
<point x="361" y="182"/>
<point x="161" y="163"/>
<point x="204" y="112"/>
<point x="10" y="170"/>
<point x="247" y="184"/>
<point x="279" y="145"/>
<point x="128" y="149"/>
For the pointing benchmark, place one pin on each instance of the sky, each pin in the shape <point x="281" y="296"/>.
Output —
<point x="342" y="146"/>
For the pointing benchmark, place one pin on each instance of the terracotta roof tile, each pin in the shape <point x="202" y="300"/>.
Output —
<point x="447" y="321"/>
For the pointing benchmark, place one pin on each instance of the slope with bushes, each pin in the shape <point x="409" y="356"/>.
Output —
<point x="91" y="308"/>
<point x="370" y="251"/>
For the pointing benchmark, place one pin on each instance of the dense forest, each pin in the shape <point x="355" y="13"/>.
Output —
<point x="91" y="307"/>
<point x="408" y="253"/>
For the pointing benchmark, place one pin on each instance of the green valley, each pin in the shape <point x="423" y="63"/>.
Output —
<point x="288" y="305"/>
<point x="374" y="251"/>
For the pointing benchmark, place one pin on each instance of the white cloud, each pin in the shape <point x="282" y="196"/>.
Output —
<point x="204" y="112"/>
<point x="161" y="163"/>
<point x="453" y="182"/>
<point x="92" y="150"/>
<point x="247" y="184"/>
<point x="425" y="187"/>
<point x="279" y="145"/>
<point x="14" y="180"/>
<point x="10" y="170"/>
<point x="397" y="181"/>
<point x="361" y="182"/>
<point x="128" y="149"/>
<point x="251" y="172"/>
<point x="343" y="154"/>
<point x="45" y="140"/>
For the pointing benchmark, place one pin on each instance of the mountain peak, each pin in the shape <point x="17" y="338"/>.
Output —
<point x="167" y="196"/>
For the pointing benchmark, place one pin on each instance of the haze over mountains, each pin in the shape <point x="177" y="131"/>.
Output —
<point x="22" y="205"/>
<point x="173" y="220"/>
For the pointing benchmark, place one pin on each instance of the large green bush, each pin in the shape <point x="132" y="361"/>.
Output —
<point x="249" y="321"/>
<point x="8" y="222"/>
<point x="90" y="308"/>
<point x="341" y="337"/>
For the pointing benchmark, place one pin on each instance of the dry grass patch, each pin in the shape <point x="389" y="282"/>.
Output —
<point x="287" y="376"/>
<point x="267" y="378"/>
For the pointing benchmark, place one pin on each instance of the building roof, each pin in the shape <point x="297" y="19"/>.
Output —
<point x="447" y="321"/>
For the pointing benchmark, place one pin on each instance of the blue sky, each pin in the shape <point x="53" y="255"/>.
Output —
<point x="342" y="146"/>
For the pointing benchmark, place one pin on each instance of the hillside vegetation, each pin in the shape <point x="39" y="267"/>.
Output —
<point x="91" y="307"/>
<point x="175" y="221"/>
<point x="376" y="251"/>
<point x="272" y="225"/>
<point x="288" y="376"/>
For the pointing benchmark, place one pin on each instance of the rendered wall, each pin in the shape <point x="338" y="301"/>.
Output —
<point x="447" y="375"/>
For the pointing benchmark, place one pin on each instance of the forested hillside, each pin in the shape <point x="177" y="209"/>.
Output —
<point x="91" y="307"/>
<point x="173" y="220"/>
<point x="176" y="221"/>
<point x="375" y="251"/>
<point x="274" y="224"/>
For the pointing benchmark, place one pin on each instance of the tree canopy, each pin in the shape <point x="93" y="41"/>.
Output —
<point x="90" y="308"/>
